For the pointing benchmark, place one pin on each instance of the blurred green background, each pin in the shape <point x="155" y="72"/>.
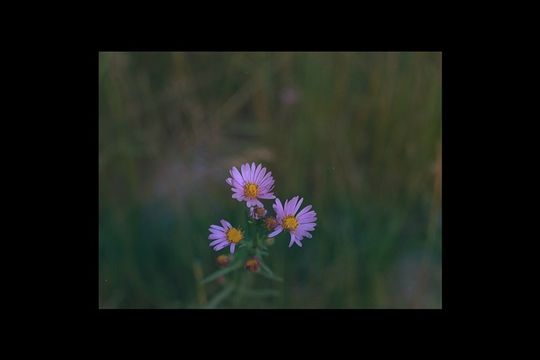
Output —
<point x="357" y="134"/>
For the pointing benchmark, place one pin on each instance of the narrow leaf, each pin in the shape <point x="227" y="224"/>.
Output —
<point x="221" y="272"/>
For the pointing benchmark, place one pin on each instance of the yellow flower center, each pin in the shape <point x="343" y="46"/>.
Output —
<point x="251" y="190"/>
<point x="290" y="223"/>
<point x="234" y="235"/>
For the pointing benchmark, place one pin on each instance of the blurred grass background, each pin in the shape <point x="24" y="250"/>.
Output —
<point x="357" y="134"/>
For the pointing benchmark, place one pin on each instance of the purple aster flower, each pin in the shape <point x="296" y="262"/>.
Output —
<point x="251" y="183"/>
<point x="299" y="225"/>
<point x="257" y="212"/>
<point x="224" y="236"/>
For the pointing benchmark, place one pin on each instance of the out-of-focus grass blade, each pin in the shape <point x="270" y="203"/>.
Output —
<point x="222" y="295"/>
<point x="259" y="293"/>
<point x="221" y="272"/>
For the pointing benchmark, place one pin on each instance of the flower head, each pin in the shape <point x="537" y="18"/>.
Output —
<point x="257" y="212"/>
<point x="224" y="236"/>
<point x="251" y="183"/>
<point x="299" y="225"/>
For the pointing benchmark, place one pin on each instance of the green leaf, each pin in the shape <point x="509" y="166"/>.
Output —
<point x="221" y="272"/>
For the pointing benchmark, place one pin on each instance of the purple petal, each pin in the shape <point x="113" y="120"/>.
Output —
<point x="252" y="172"/>
<point x="267" y="182"/>
<point x="221" y="246"/>
<point x="306" y="214"/>
<point x="267" y="178"/>
<point x="306" y="218"/>
<point x="302" y="232"/>
<point x="266" y="196"/>
<point x="233" y="245"/>
<point x="294" y="240"/>
<point x="248" y="172"/>
<point x="215" y="236"/>
<point x="292" y="204"/>
<point x="218" y="241"/>
<point x="257" y="173"/>
<point x="278" y="207"/>
<point x="304" y="210"/>
<point x="226" y="225"/>
<point x="244" y="172"/>
<point x="262" y="175"/>
<point x="306" y="227"/>
<point x="297" y="206"/>
<point x="286" y="207"/>
<point x="237" y="176"/>
<point x="276" y="231"/>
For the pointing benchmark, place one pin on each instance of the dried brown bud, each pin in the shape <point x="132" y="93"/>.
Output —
<point x="270" y="223"/>
<point x="253" y="265"/>
<point x="256" y="212"/>
<point x="260" y="211"/>
<point x="223" y="260"/>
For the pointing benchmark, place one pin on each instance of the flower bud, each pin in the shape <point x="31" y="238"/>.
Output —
<point x="253" y="265"/>
<point x="270" y="223"/>
<point x="223" y="260"/>
<point x="257" y="212"/>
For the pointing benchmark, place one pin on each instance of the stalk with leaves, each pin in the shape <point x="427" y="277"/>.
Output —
<point x="253" y="184"/>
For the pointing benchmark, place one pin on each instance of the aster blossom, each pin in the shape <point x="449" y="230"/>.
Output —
<point x="251" y="183"/>
<point x="225" y="235"/>
<point x="299" y="225"/>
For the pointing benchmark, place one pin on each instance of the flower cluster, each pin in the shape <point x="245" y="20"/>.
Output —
<point x="251" y="184"/>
